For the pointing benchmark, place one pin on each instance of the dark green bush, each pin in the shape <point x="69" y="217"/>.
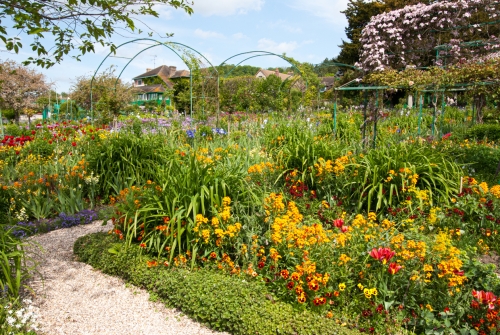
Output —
<point x="13" y="130"/>
<point x="489" y="131"/>
<point x="223" y="302"/>
<point x="478" y="161"/>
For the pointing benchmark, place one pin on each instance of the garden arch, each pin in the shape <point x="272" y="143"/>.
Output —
<point x="172" y="47"/>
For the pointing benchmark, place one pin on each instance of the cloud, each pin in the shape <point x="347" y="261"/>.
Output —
<point x="239" y="36"/>
<point x="207" y="34"/>
<point x="282" y="24"/>
<point x="279" y="48"/>
<point x="226" y="7"/>
<point x="329" y="10"/>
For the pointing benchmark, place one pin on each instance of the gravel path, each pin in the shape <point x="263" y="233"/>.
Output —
<point x="72" y="298"/>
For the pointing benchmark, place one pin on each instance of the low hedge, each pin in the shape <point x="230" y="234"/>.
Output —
<point x="490" y="131"/>
<point x="224" y="303"/>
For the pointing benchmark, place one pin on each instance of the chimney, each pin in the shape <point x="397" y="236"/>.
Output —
<point x="172" y="71"/>
<point x="148" y="69"/>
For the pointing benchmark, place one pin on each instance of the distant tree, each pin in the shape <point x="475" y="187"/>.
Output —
<point x="238" y="94"/>
<point x="20" y="87"/>
<point x="182" y="99"/>
<point x="239" y="71"/>
<point x="106" y="100"/>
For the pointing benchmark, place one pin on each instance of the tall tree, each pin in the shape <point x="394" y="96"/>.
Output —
<point x="20" y="87"/>
<point x="60" y="26"/>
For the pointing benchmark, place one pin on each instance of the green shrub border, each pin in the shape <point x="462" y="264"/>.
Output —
<point x="222" y="302"/>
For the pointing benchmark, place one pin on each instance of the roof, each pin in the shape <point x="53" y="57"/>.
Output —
<point x="180" y="74"/>
<point x="267" y="73"/>
<point x="157" y="88"/>
<point x="164" y="72"/>
<point x="327" y="81"/>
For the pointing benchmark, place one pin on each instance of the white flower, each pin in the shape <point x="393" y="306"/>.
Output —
<point x="11" y="320"/>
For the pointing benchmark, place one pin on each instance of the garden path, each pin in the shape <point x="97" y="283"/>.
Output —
<point x="71" y="298"/>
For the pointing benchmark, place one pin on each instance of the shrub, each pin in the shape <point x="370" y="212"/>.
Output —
<point x="223" y="302"/>
<point x="484" y="131"/>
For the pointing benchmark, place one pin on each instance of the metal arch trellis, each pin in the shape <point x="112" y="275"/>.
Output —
<point x="262" y="54"/>
<point x="158" y="43"/>
<point x="336" y="64"/>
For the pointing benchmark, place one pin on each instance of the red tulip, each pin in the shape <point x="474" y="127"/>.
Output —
<point x="394" y="268"/>
<point x="338" y="223"/>
<point x="382" y="254"/>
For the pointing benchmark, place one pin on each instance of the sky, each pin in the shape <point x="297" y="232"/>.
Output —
<point x="308" y="31"/>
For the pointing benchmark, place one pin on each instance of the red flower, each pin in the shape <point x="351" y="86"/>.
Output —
<point x="382" y="254"/>
<point x="284" y="274"/>
<point x="319" y="301"/>
<point x="261" y="265"/>
<point x="290" y="285"/>
<point x="394" y="268"/>
<point x="487" y="298"/>
<point x="73" y="144"/>
<point x="338" y="223"/>
<point x="142" y="245"/>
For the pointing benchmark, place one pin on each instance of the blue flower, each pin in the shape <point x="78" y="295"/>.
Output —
<point x="219" y="131"/>
<point x="190" y="133"/>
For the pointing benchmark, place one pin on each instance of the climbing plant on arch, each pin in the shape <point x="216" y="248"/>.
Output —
<point x="409" y="36"/>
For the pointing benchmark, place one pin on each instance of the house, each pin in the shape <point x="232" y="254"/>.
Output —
<point x="327" y="83"/>
<point x="266" y="73"/>
<point x="153" y="84"/>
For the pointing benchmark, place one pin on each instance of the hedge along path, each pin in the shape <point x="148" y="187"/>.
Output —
<point x="72" y="298"/>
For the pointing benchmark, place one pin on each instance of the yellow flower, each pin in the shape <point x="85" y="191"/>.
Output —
<point x="342" y="286"/>
<point x="367" y="294"/>
<point x="344" y="258"/>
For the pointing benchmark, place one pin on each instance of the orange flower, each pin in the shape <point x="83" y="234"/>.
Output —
<point x="313" y="285"/>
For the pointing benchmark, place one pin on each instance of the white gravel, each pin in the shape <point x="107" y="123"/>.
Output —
<point x="72" y="298"/>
